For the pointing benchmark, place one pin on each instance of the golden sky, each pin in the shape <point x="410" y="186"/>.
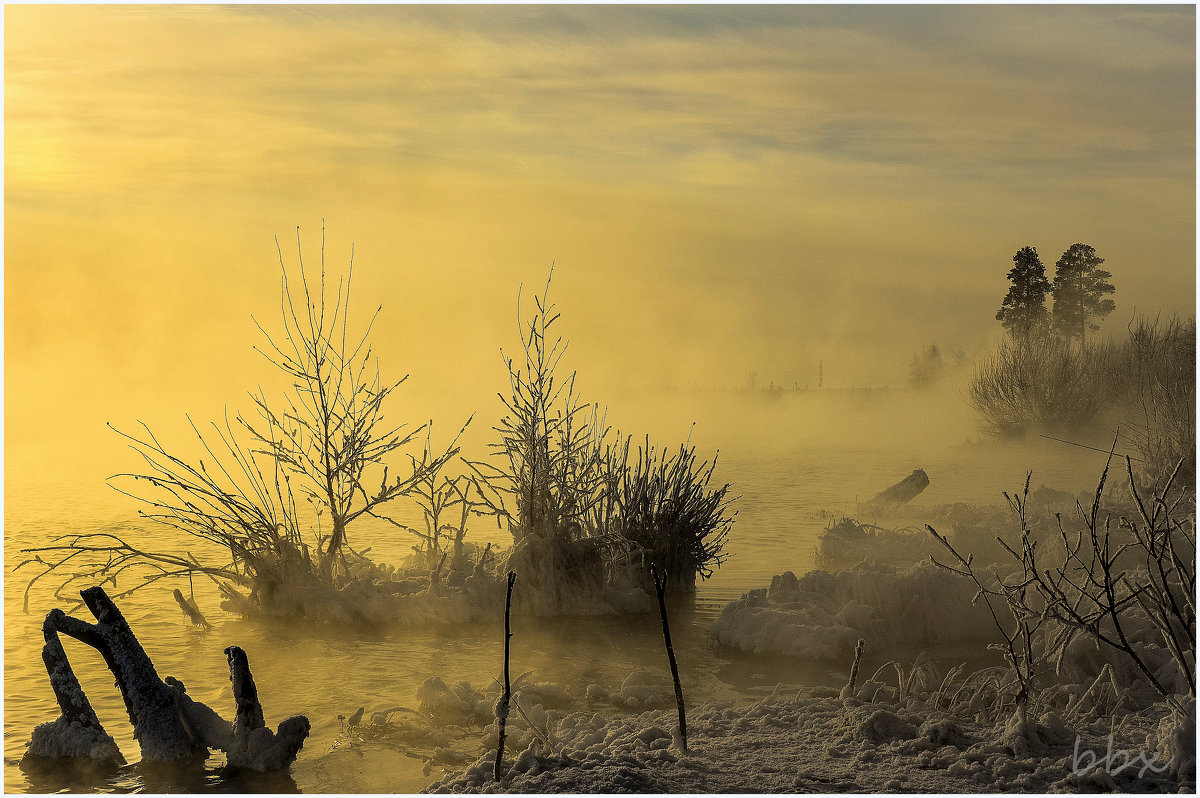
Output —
<point x="723" y="189"/>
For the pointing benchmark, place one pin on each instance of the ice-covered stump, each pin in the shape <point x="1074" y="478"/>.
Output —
<point x="169" y="726"/>
<point x="152" y="705"/>
<point x="77" y="733"/>
<point x="255" y="746"/>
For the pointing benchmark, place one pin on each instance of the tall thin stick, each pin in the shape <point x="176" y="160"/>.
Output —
<point x="502" y="707"/>
<point x="858" y="650"/>
<point x="660" y="585"/>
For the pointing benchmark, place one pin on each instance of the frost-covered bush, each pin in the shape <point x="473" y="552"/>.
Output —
<point x="1116" y="597"/>
<point x="1145" y="383"/>
<point x="1041" y="383"/>
<point x="1156" y="371"/>
<point x="667" y="512"/>
<point x="588" y="519"/>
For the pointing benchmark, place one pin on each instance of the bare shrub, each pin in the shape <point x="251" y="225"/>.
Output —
<point x="1147" y="383"/>
<point x="1156" y="370"/>
<point x="551" y="443"/>
<point x="584" y="514"/>
<point x="271" y="502"/>
<point x="1127" y="586"/>
<point x="1041" y="383"/>
<point x="669" y="512"/>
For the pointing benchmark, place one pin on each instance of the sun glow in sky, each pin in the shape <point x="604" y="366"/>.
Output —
<point x="722" y="189"/>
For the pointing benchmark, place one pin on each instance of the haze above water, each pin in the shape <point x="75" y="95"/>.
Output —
<point x="724" y="190"/>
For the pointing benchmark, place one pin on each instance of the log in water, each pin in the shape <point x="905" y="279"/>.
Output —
<point x="899" y="494"/>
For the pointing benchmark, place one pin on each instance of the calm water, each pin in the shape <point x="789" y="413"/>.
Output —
<point x="323" y="673"/>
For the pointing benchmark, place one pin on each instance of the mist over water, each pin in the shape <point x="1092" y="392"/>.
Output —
<point x="788" y="489"/>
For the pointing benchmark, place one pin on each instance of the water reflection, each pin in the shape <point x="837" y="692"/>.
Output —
<point x="46" y="777"/>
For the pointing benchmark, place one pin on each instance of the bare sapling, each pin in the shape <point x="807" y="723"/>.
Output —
<point x="1017" y="620"/>
<point x="660" y="589"/>
<point x="331" y="430"/>
<point x="505" y="699"/>
<point x="587" y="512"/>
<point x="446" y="504"/>
<point x="547" y="476"/>
<point x="551" y="442"/>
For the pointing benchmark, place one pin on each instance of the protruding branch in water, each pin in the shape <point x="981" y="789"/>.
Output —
<point x="191" y="610"/>
<point x="254" y="746"/>
<point x="858" y="651"/>
<point x="77" y="734"/>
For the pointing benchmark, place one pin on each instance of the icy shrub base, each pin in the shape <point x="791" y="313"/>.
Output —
<point x="573" y="577"/>
<point x="372" y="593"/>
<point x="846" y="542"/>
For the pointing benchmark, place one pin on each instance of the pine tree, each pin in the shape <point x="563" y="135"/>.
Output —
<point x="1024" y="309"/>
<point x="1079" y="292"/>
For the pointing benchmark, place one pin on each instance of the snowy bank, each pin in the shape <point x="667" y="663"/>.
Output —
<point x="820" y="744"/>
<point x="822" y="615"/>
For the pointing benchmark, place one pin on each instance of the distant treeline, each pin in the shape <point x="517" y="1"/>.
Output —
<point x="794" y="388"/>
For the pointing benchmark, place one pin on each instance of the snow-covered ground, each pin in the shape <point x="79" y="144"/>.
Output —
<point x="807" y="743"/>
<point x="907" y="728"/>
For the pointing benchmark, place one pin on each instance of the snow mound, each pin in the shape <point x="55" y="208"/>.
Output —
<point x="458" y="700"/>
<point x="847" y="542"/>
<point x="641" y="689"/>
<point x="822" y="615"/>
<point x="944" y="731"/>
<point x="1175" y="740"/>
<point x="646" y="689"/>
<point x="882" y="726"/>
